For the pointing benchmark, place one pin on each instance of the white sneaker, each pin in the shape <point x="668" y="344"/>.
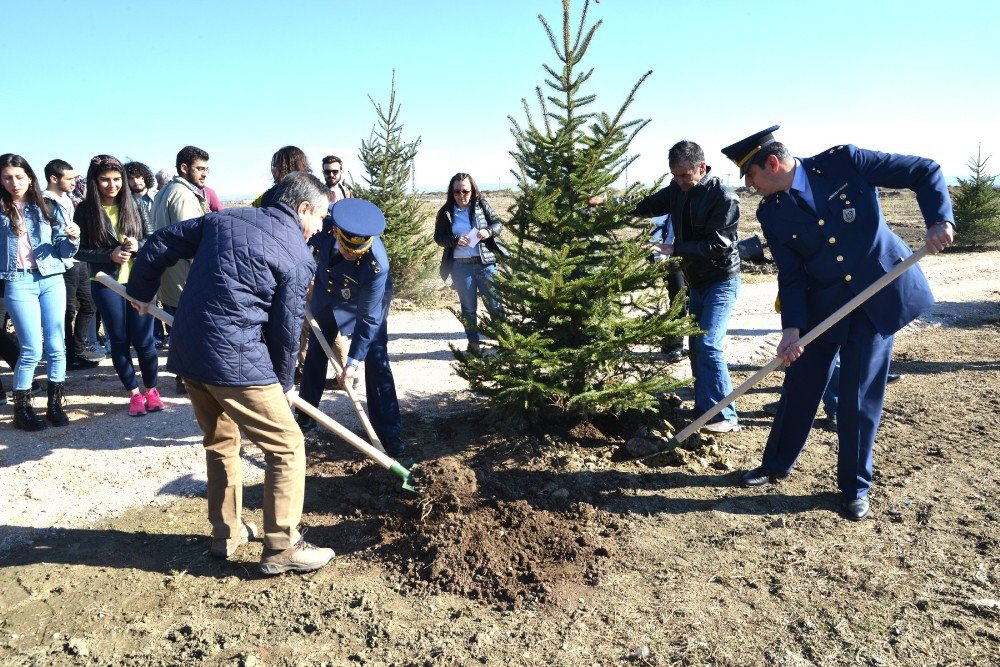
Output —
<point x="721" y="427"/>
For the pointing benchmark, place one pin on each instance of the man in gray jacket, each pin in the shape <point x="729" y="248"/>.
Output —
<point x="180" y="199"/>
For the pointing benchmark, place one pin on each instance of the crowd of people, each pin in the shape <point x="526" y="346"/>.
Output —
<point x="239" y="283"/>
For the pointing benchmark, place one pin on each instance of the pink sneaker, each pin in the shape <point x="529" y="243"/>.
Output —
<point x="136" y="405"/>
<point x="153" y="402"/>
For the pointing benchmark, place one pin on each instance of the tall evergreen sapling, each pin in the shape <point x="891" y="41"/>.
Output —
<point x="583" y="305"/>
<point x="977" y="205"/>
<point x="388" y="160"/>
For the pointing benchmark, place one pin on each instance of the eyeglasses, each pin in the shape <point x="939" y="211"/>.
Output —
<point x="331" y="171"/>
<point x="461" y="192"/>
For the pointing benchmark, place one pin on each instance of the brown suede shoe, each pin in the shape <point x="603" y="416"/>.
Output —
<point x="221" y="548"/>
<point x="303" y="557"/>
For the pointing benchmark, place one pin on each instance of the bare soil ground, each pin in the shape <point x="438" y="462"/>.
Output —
<point x="537" y="546"/>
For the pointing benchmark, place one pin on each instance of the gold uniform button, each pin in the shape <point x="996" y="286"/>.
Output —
<point x="822" y="222"/>
<point x="842" y="197"/>
<point x="795" y="236"/>
<point x="330" y="290"/>
<point x="848" y="277"/>
<point x="832" y="240"/>
<point x="840" y="258"/>
<point x="847" y="203"/>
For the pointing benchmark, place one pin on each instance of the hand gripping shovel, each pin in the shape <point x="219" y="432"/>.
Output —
<point x="362" y="415"/>
<point x="375" y="455"/>
<point x="810" y="336"/>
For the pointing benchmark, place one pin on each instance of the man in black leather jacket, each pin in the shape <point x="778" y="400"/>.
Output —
<point x="704" y="214"/>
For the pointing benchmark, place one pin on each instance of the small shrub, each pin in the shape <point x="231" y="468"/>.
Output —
<point x="977" y="206"/>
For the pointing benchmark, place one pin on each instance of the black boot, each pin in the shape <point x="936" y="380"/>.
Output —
<point x="24" y="415"/>
<point x="54" y="413"/>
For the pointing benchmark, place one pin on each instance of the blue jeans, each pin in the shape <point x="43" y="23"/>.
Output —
<point x="37" y="307"/>
<point x="711" y="306"/>
<point x="126" y="328"/>
<point x="472" y="280"/>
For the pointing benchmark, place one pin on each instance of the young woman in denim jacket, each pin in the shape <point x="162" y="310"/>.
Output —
<point x="466" y="227"/>
<point x="114" y="228"/>
<point x="33" y="245"/>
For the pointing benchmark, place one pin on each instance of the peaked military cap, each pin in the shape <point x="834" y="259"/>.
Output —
<point x="743" y="151"/>
<point x="358" y="221"/>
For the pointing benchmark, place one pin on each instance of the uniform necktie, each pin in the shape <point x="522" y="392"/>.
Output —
<point x="799" y="198"/>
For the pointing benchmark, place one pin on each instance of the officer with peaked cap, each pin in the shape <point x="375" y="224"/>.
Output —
<point x="351" y="295"/>
<point x="822" y="220"/>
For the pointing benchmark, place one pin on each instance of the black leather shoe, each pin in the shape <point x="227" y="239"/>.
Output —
<point x="305" y="422"/>
<point x="674" y="355"/>
<point x="394" y="448"/>
<point x="759" y="477"/>
<point x="893" y="377"/>
<point x="856" y="510"/>
<point x="81" y="364"/>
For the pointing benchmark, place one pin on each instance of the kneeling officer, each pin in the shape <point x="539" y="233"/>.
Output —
<point x="351" y="295"/>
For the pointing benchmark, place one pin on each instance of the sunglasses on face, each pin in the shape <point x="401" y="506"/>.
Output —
<point x="462" y="192"/>
<point x="331" y="171"/>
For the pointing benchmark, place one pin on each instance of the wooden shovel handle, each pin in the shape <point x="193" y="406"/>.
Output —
<point x="810" y="336"/>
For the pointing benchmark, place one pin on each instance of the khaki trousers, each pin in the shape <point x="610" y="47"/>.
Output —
<point x="262" y="413"/>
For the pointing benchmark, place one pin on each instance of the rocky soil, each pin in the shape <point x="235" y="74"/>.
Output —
<point x="531" y="546"/>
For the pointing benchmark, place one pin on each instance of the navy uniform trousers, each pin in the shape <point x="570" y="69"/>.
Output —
<point x="383" y="406"/>
<point x="864" y="363"/>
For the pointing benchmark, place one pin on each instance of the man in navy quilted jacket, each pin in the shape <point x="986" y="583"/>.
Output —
<point x="234" y="341"/>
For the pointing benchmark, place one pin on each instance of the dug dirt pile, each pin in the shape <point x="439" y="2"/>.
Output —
<point x="467" y="539"/>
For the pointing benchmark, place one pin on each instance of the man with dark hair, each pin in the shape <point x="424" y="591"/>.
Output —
<point x="61" y="179"/>
<point x="830" y="241"/>
<point x="192" y="162"/>
<point x="704" y="214"/>
<point x="142" y="184"/>
<point x="181" y="199"/>
<point x="333" y="174"/>
<point x="235" y="343"/>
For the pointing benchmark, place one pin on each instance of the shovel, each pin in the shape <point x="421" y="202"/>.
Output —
<point x="375" y="455"/>
<point x="362" y="415"/>
<point x="810" y="336"/>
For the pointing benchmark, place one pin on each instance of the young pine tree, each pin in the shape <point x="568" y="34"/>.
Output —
<point x="388" y="160"/>
<point x="977" y="206"/>
<point x="583" y="304"/>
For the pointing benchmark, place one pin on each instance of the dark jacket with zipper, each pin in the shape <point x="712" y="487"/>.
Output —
<point x="486" y="218"/>
<point x="705" y="220"/>
<point x="99" y="256"/>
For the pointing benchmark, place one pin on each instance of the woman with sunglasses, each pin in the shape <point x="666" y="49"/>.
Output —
<point x="467" y="229"/>
<point x="113" y="228"/>
<point x="33" y="244"/>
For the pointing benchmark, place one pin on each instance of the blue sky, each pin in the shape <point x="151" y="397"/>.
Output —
<point x="140" y="79"/>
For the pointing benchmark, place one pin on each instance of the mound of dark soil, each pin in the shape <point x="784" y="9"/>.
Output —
<point x="506" y="552"/>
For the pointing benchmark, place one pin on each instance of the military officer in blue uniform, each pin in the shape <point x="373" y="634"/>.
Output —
<point x="351" y="295"/>
<point x="822" y="220"/>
